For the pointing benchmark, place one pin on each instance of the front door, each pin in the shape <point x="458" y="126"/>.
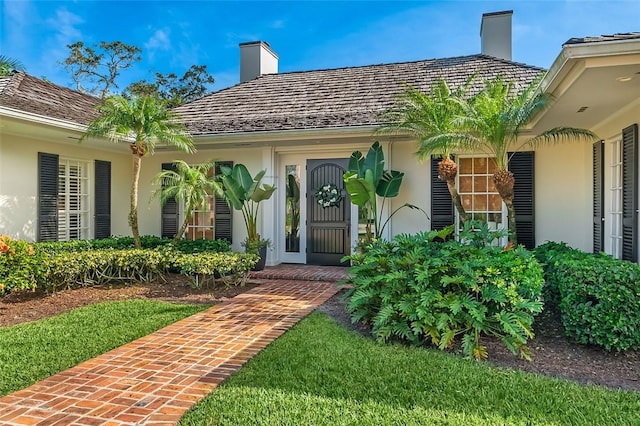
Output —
<point x="328" y="219"/>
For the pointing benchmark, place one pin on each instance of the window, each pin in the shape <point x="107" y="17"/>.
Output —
<point x="73" y="200"/>
<point x="616" y="199"/>
<point x="478" y="194"/>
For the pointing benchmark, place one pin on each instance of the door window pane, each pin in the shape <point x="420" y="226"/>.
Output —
<point x="292" y="207"/>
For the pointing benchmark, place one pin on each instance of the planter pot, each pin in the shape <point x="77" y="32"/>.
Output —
<point x="263" y="258"/>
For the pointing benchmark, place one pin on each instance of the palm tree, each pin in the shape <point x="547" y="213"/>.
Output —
<point x="492" y="122"/>
<point x="142" y="122"/>
<point x="9" y="65"/>
<point x="432" y="120"/>
<point x="191" y="184"/>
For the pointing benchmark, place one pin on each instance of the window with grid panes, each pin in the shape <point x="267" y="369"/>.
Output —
<point x="478" y="194"/>
<point x="73" y="200"/>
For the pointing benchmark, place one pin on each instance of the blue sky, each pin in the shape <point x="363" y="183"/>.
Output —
<point x="305" y="34"/>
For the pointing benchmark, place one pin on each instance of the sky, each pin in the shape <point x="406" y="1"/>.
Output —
<point x="306" y="35"/>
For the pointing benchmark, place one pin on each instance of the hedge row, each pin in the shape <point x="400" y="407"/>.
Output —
<point x="121" y="243"/>
<point x="598" y="296"/>
<point x="25" y="267"/>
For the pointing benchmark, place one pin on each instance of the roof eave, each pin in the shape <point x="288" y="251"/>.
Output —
<point x="41" y="119"/>
<point x="288" y="135"/>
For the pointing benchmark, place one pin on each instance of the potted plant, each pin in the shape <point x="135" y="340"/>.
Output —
<point x="244" y="193"/>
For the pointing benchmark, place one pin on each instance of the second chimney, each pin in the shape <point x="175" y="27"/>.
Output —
<point x="495" y="34"/>
<point x="256" y="59"/>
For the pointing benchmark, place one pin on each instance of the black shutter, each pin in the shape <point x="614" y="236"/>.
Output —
<point x="598" y="197"/>
<point x="102" y="199"/>
<point x="442" y="213"/>
<point x="223" y="215"/>
<point x="169" y="222"/>
<point x="630" y="193"/>
<point x="522" y="167"/>
<point x="47" y="197"/>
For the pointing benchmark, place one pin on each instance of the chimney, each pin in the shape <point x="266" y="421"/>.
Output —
<point x="495" y="34"/>
<point x="256" y="59"/>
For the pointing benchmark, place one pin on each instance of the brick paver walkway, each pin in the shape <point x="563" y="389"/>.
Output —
<point x="155" y="379"/>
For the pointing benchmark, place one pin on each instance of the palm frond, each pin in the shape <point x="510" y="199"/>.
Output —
<point x="562" y="134"/>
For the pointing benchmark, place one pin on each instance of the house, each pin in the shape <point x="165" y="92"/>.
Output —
<point x="307" y="124"/>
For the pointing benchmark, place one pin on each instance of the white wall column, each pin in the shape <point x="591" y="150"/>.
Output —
<point x="268" y="209"/>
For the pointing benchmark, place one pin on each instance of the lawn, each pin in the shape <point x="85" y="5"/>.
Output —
<point x="321" y="373"/>
<point x="33" y="351"/>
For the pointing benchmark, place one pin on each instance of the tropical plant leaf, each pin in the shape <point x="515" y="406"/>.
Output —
<point x="233" y="192"/>
<point x="389" y="184"/>
<point x="359" y="189"/>
<point x="356" y="163"/>
<point x="263" y="193"/>
<point x="374" y="161"/>
<point x="243" y="178"/>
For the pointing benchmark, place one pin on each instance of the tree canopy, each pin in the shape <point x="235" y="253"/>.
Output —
<point x="98" y="70"/>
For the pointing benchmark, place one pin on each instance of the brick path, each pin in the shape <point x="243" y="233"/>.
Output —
<point x="155" y="379"/>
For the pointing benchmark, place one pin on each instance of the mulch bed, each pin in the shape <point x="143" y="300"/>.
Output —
<point x="553" y="355"/>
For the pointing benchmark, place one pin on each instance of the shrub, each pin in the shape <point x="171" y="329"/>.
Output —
<point x="20" y="266"/>
<point x="85" y="268"/>
<point x="421" y="290"/>
<point x="231" y="268"/>
<point x="202" y="246"/>
<point x="600" y="301"/>
<point x="121" y="243"/>
<point x="598" y="296"/>
<point x="550" y="255"/>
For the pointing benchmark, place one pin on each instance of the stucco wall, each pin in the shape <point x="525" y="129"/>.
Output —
<point x="19" y="183"/>
<point x="563" y="185"/>
<point x="149" y="211"/>
<point x="415" y="189"/>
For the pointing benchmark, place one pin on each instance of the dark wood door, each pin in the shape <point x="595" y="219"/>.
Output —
<point x="328" y="228"/>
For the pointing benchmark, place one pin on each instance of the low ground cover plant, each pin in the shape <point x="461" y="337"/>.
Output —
<point x="598" y="296"/>
<point x="423" y="290"/>
<point x="53" y="266"/>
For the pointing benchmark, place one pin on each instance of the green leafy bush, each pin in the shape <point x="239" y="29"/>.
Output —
<point x="598" y="296"/>
<point x="121" y="243"/>
<point x="203" y="246"/>
<point x="84" y="268"/>
<point x="231" y="268"/>
<point x="426" y="291"/>
<point x="550" y="255"/>
<point x="20" y="266"/>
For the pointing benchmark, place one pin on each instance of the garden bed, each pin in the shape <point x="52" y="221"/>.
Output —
<point x="25" y="306"/>
<point x="553" y="355"/>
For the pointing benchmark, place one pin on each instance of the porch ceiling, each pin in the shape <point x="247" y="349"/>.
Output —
<point x="605" y="86"/>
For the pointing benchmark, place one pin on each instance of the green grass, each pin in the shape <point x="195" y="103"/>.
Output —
<point x="33" y="351"/>
<point x="322" y="374"/>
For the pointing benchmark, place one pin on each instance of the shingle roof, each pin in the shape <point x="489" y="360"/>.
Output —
<point x="334" y="98"/>
<point x="30" y="94"/>
<point x="601" y="38"/>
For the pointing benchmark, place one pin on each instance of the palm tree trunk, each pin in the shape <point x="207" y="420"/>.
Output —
<point x="457" y="202"/>
<point x="182" y="230"/>
<point x="511" y="217"/>
<point x="447" y="171"/>
<point x="133" y="214"/>
<point x="504" y="181"/>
